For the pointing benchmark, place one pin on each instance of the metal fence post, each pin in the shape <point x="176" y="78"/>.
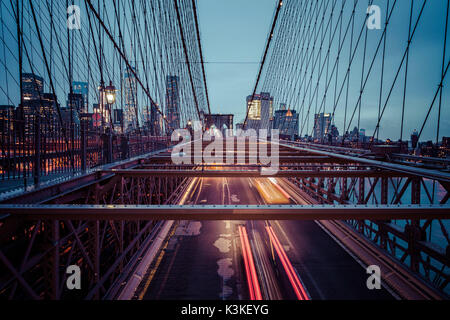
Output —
<point x="83" y="144"/>
<point x="110" y="148"/>
<point x="37" y="150"/>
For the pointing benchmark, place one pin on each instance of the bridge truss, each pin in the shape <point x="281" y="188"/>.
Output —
<point x="103" y="221"/>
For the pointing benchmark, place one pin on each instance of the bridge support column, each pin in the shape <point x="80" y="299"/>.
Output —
<point x="96" y="250"/>
<point x="56" y="256"/>
<point x="384" y="190"/>
<point x="331" y="190"/>
<point x="384" y="238"/>
<point x="361" y="191"/>
<point x="415" y="191"/>
<point x="111" y="148"/>
<point x="415" y="233"/>
<point x="344" y="191"/>
<point x="361" y="200"/>
<point x="121" y="238"/>
<point x="52" y="262"/>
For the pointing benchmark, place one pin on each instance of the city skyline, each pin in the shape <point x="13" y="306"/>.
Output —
<point x="261" y="108"/>
<point x="224" y="63"/>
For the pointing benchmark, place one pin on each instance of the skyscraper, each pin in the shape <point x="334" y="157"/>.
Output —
<point x="254" y="111"/>
<point x="129" y="112"/>
<point x="260" y="113"/>
<point x="414" y="139"/>
<point x="266" y="110"/>
<point x="32" y="86"/>
<point x="155" y="121"/>
<point x="322" y="126"/>
<point x="96" y="116"/>
<point x="35" y="101"/>
<point x="362" y="135"/>
<point x="83" y="89"/>
<point x="6" y="118"/>
<point x="286" y="121"/>
<point x="172" y="103"/>
<point x="75" y="103"/>
<point x="117" y="119"/>
<point x="44" y="107"/>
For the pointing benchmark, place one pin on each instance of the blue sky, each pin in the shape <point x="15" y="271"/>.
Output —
<point x="236" y="31"/>
<point x="233" y="31"/>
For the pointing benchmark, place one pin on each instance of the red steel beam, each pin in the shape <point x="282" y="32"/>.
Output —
<point x="226" y="212"/>
<point x="256" y="173"/>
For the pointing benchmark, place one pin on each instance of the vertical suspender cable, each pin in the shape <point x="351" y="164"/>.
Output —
<point x="406" y="72"/>
<point x="442" y="73"/>
<point x="197" y="29"/>
<point x="269" y="40"/>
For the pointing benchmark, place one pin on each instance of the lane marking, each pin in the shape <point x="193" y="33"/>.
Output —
<point x="166" y="276"/>
<point x="155" y="268"/>
<point x="152" y="274"/>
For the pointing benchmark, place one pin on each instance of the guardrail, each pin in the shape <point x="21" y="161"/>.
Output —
<point x="40" y="150"/>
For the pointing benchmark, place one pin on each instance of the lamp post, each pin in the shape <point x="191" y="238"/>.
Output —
<point x="110" y="93"/>
<point x="189" y="127"/>
<point x="101" y="107"/>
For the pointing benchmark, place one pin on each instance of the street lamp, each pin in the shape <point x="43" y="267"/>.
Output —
<point x="110" y="95"/>
<point x="110" y="92"/>
<point x="189" y="128"/>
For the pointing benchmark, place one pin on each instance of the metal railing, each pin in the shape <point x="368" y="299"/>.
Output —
<point x="33" y="151"/>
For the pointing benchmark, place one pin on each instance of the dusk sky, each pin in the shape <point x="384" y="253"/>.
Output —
<point x="236" y="31"/>
<point x="229" y="158"/>
<point x="233" y="31"/>
<point x="234" y="34"/>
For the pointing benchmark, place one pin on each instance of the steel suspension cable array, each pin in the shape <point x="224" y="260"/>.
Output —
<point x="269" y="40"/>
<point x="58" y="59"/>
<point x="139" y="35"/>
<point x="304" y="67"/>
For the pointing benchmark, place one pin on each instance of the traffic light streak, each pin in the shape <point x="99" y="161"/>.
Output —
<point x="250" y="270"/>
<point x="299" y="290"/>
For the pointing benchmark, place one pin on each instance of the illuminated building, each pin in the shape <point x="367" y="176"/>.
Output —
<point x="82" y="88"/>
<point x="6" y="119"/>
<point x="322" y="125"/>
<point x="32" y="86"/>
<point x="286" y="121"/>
<point x="260" y="111"/>
<point x="156" y="122"/>
<point x="172" y="103"/>
<point x="45" y="108"/>
<point x="130" y="110"/>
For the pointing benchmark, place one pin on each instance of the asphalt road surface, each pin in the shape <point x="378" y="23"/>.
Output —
<point x="204" y="260"/>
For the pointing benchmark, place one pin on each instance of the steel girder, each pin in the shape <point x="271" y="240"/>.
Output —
<point x="34" y="255"/>
<point x="421" y="245"/>
<point x="256" y="173"/>
<point x="35" y="268"/>
<point x="225" y="212"/>
<point x="57" y="241"/>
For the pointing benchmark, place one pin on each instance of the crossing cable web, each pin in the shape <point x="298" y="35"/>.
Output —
<point x="385" y="73"/>
<point x="140" y="39"/>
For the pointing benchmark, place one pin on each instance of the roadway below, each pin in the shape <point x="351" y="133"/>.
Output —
<point x="236" y="260"/>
